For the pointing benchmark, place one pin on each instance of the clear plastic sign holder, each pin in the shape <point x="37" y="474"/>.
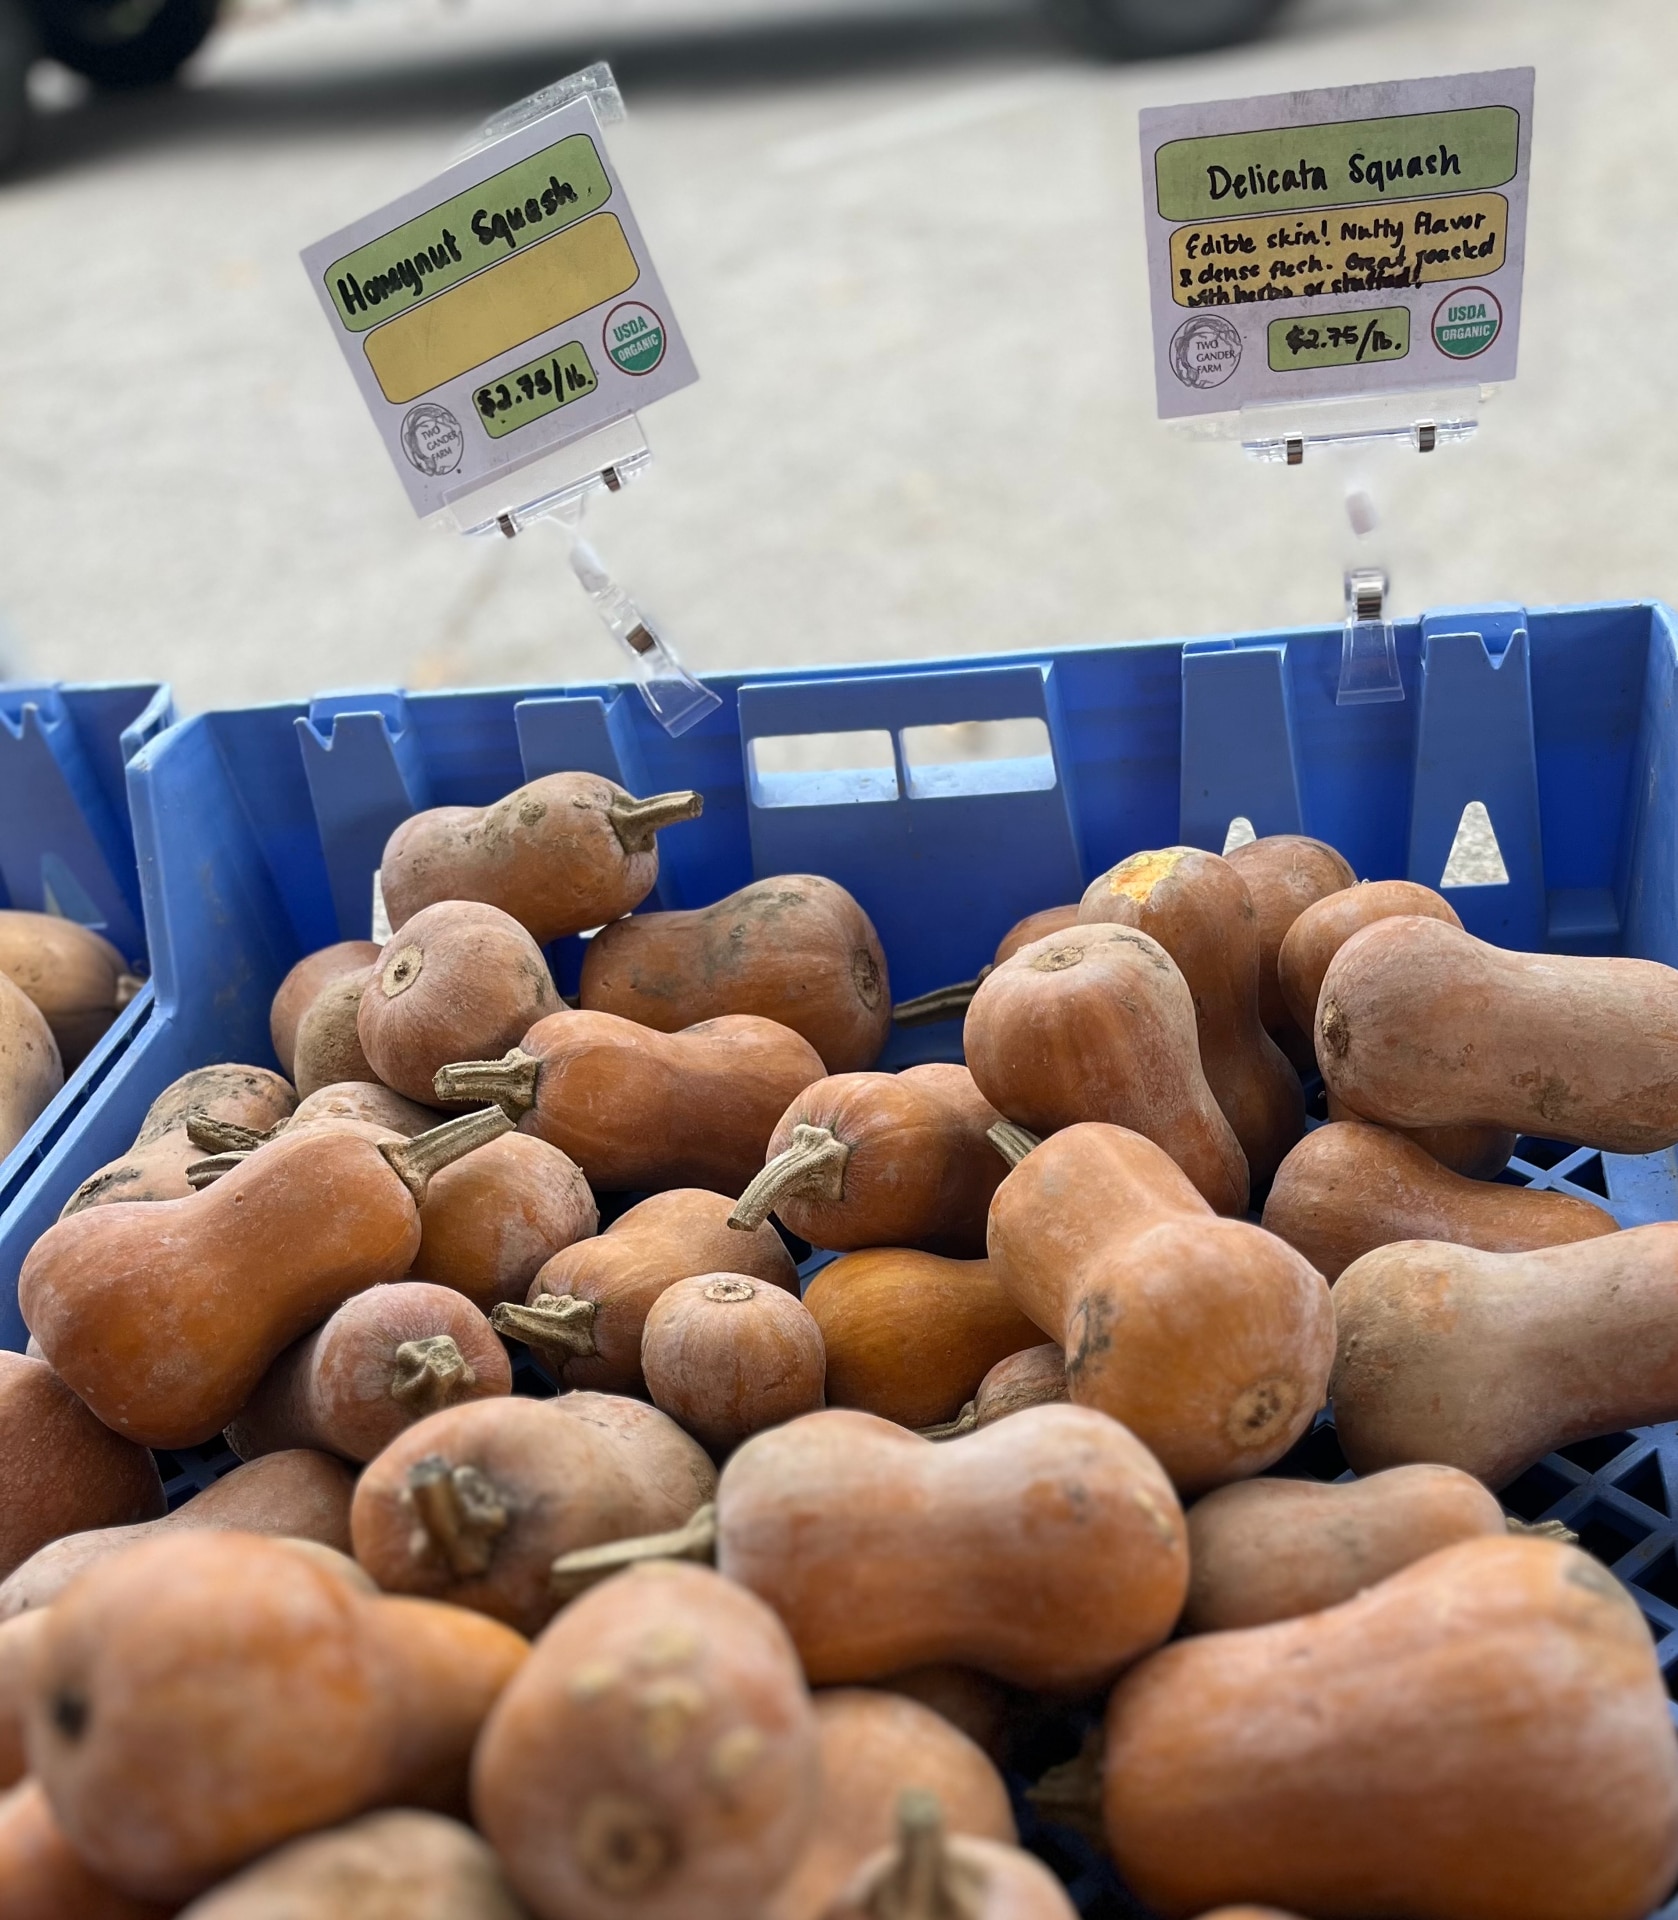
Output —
<point x="557" y="490"/>
<point x="1418" y="422"/>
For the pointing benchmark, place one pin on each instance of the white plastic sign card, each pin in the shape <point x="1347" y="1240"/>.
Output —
<point x="506" y="308"/>
<point x="1309" y="246"/>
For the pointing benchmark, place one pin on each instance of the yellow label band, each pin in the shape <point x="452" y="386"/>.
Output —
<point x="540" y="286"/>
<point x="1298" y="256"/>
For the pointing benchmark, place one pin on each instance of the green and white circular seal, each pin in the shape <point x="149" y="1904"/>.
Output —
<point x="1466" y="323"/>
<point x="634" y="337"/>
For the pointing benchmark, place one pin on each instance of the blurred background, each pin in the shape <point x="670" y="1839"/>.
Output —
<point x="905" y="242"/>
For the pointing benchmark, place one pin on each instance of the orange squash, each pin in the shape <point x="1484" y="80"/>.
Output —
<point x="1489" y="1361"/>
<point x="474" y="1504"/>
<point x="64" y="1470"/>
<point x="1198" y="908"/>
<point x="1033" y="1377"/>
<point x="459" y="981"/>
<point x="419" y="1866"/>
<point x="561" y="854"/>
<point x="31" y="1072"/>
<point x="77" y="979"/>
<point x="154" y="1168"/>
<point x="368" y="1101"/>
<point x="328" y="1051"/>
<point x="1265" y="1550"/>
<point x="639" y="1110"/>
<point x="657" y="1756"/>
<point x="18" y="1638"/>
<point x="725" y="1356"/>
<point x="1478" y="1153"/>
<point x="796" y="949"/>
<point x="1422" y="1025"/>
<point x="1286" y="873"/>
<point x="284" y="1699"/>
<point x="909" y="1336"/>
<point x="1097" y="1023"/>
<point x="882" y="1160"/>
<point x="1483" y="1736"/>
<point x="298" y="1494"/>
<point x="881" y="1551"/>
<point x="1210" y="1339"/>
<point x="492" y="1221"/>
<point x="587" y="1308"/>
<point x="926" y="1874"/>
<point x="164" y="1317"/>
<point x="874" y="1746"/>
<point x="42" y="1876"/>
<point x="301" y="987"/>
<point x="385" y="1359"/>
<point x="1349" y="1188"/>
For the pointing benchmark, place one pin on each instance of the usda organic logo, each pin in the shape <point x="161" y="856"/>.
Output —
<point x="1467" y="323"/>
<point x="635" y="337"/>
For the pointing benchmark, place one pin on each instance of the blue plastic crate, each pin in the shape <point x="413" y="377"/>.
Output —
<point x="66" y="847"/>
<point x="259" y="831"/>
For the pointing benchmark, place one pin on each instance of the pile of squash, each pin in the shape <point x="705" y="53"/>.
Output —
<point x="61" y="986"/>
<point x="757" y="1615"/>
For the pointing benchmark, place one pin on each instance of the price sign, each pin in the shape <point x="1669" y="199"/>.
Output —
<point x="1272" y="221"/>
<point x="507" y="308"/>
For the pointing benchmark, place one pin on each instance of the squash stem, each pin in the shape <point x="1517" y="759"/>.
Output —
<point x="418" y="1161"/>
<point x="1544" y="1529"/>
<point x="211" y="1135"/>
<point x="1070" y="1795"/>
<point x="205" y="1173"/>
<point x="558" y="1326"/>
<point x="430" y="1374"/>
<point x="574" y="1573"/>
<point x="509" y="1082"/>
<point x="1012" y="1142"/>
<point x="638" y="822"/>
<point x="923" y="1880"/>
<point x="813" y="1168"/>
<point x="460" y="1514"/>
<point x="967" y="1421"/>
<point x="943" y="1003"/>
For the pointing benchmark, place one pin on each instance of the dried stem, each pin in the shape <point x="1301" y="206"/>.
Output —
<point x="923" y="1879"/>
<point x="128" y="985"/>
<point x="211" y="1135"/>
<point x="418" y="1161"/>
<point x="967" y="1421"/>
<point x="1543" y="1529"/>
<point x="638" y="822"/>
<point x="1070" y="1795"/>
<point x="509" y="1082"/>
<point x="813" y="1168"/>
<point x="205" y="1173"/>
<point x="430" y="1374"/>
<point x="1012" y="1142"/>
<point x="558" y="1326"/>
<point x="943" y="1003"/>
<point x="575" y="1573"/>
<point x="459" y="1515"/>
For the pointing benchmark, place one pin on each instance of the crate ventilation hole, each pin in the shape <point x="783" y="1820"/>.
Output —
<point x="1476" y="860"/>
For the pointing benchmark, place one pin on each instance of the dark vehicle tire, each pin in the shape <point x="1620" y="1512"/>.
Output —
<point x="125" y="43"/>
<point x="1158" y="29"/>
<point x="19" y="49"/>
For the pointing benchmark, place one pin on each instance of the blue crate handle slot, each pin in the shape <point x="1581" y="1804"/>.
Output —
<point x="63" y="848"/>
<point x="1475" y="741"/>
<point x="366" y="776"/>
<point x="1239" y="756"/>
<point x="941" y="865"/>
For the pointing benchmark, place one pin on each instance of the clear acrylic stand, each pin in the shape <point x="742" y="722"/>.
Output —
<point x="558" y="487"/>
<point x="1422" y="419"/>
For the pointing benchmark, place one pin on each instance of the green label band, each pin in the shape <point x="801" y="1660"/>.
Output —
<point x="436" y="250"/>
<point x="533" y="391"/>
<point x="1345" y="163"/>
